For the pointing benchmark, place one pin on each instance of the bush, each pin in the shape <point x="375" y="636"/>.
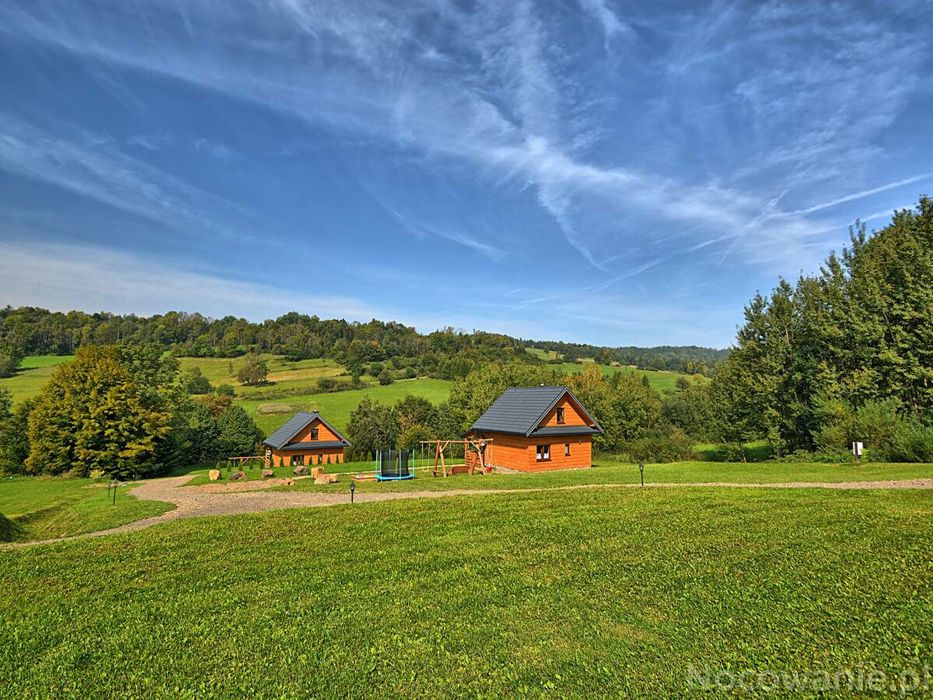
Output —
<point x="195" y="382"/>
<point x="676" y="447"/>
<point x="8" y="365"/>
<point x="225" y="390"/>
<point x="913" y="442"/>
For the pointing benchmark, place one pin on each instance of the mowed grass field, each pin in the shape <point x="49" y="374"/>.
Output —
<point x="592" y="592"/>
<point x="37" y="508"/>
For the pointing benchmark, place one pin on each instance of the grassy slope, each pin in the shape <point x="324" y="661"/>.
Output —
<point x="591" y="593"/>
<point x="33" y="373"/>
<point x="336" y="406"/>
<point x="41" y="508"/>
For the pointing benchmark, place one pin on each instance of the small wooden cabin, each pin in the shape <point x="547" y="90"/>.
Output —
<point x="306" y="439"/>
<point x="537" y="428"/>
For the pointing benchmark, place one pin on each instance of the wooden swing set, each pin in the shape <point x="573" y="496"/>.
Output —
<point x="475" y="464"/>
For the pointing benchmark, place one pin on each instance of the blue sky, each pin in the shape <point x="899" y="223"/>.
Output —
<point x="590" y="170"/>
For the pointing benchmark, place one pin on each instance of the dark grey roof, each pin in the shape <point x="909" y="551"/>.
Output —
<point x="295" y="425"/>
<point x="554" y="430"/>
<point x="519" y="410"/>
<point x="316" y="445"/>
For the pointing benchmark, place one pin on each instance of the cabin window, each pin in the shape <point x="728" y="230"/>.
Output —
<point x="298" y="460"/>
<point x="314" y="433"/>
<point x="544" y="453"/>
<point x="566" y="449"/>
<point x="560" y="415"/>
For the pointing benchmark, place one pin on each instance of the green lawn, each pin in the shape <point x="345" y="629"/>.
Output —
<point x="32" y="375"/>
<point x="608" y="472"/>
<point x="40" y="508"/>
<point x="579" y="593"/>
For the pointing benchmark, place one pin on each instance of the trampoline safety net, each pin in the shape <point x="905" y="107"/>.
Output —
<point x="393" y="463"/>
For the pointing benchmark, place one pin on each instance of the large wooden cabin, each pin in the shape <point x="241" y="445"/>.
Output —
<point x="306" y="439"/>
<point x="536" y="428"/>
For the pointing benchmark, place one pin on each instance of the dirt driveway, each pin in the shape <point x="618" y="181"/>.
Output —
<point x="255" y="496"/>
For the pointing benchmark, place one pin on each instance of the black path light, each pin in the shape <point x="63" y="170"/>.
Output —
<point x="641" y="468"/>
<point x="352" y="490"/>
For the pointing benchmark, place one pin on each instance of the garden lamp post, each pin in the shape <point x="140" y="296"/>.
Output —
<point x="641" y="468"/>
<point x="352" y="490"/>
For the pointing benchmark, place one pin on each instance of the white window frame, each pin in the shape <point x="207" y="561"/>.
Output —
<point x="543" y="455"/>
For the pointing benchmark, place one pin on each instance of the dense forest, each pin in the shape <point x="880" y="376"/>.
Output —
<point x="841" y="356"/>
<point x="361" y="347"/>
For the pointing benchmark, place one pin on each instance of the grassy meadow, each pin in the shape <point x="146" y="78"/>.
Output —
<point x="36" y="508"/>
<point x="33" y="373"/>
<point x="594" y="592"/>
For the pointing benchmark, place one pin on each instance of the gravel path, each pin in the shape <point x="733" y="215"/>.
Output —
<point x="255" y="497"/>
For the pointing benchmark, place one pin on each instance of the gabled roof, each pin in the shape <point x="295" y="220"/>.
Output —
<point x="520" y="410"/>
<point x="295" y="425"/>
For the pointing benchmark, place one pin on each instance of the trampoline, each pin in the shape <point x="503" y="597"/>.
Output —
<point x="392" y="465"/>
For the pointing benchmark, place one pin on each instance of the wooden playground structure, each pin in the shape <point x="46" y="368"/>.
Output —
<point x="475" y="459"/>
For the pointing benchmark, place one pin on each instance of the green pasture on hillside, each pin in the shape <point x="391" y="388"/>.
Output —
<point x="33" y="373"/>
<point x="292" y="387"/>
<point x="593" y="592"/>
<point x="338" y="405"/>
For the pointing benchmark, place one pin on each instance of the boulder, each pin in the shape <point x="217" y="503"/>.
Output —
<point x="289" y="482"/>
<point x="300" y="470"/>
<point x="213" y="474"/>
<point x="317" y="472"/>
<point x="267" y="473"/>
<point x="237" y="476"/>
<point x="326" y="479"/>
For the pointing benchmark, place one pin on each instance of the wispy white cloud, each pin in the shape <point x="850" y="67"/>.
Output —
<point x="862" y="194"/>
<point x="94" y="168"/>
<point x="65" y="277"/>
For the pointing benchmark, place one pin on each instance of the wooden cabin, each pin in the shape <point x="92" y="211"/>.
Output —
<point x="306" y="439"/>
<point x="536" y="428"/>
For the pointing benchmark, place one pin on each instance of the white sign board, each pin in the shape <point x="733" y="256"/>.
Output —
<point x="857" y="449"/>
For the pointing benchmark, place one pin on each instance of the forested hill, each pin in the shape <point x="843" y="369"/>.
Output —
<point x="691" y="359"/>
<point x="445" y="353"/>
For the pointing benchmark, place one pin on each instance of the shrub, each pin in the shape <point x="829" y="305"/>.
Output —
<point x="225" y="390"/>
<point x="913" y="442"/>
<point x="195" y="382"/>
<point x="675" y="447"/>
<point x="8" y="365"/>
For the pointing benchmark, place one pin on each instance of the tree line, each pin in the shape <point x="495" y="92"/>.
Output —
<point x="386" y="350"/>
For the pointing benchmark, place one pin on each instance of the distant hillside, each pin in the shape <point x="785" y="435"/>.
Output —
<point x="388" y="349"/>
